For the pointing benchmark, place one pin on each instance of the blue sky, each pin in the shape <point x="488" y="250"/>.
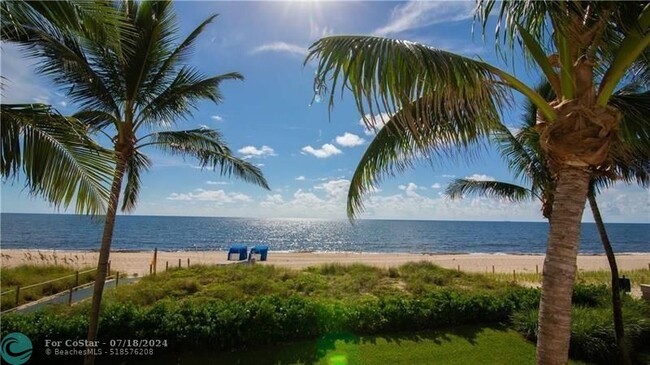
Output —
<point x="306" y="156"/>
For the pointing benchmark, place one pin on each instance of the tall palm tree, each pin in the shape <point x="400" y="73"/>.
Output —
<point x="443" y="103"/>
<point x="54" y="154"/>
<point x="525" y="158"/>
<point x="128" y="94"/>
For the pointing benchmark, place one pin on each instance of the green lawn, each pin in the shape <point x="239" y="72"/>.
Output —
<point x="462" y="346"/>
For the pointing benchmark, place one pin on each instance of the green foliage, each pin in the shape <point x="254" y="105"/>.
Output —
<point x="600" y="277"/>
<point x="591" y="295"/>
<point x="199" y="323"/>
<point x="592" y="330"/>
<point x="54" y="154"/>
<point x="333" y="281"/>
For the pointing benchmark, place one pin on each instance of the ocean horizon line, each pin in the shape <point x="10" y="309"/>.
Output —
<point x="312" y="219"/>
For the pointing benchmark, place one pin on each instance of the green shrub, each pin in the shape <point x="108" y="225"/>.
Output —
<point x="191" y="324"/>
<point x="592" y="330"/>
<point x="590" y="295"/>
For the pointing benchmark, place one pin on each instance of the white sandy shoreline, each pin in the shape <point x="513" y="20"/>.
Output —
<point x="137" y="262"/>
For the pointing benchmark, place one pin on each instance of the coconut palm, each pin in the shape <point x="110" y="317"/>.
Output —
<point x="128" y="94"/>
<point x="442" y="103"/>
<point x="57" y="158"/>
<point x="524" y="156"/>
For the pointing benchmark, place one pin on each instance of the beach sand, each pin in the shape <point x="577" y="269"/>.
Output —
<point x="138" y="262"/>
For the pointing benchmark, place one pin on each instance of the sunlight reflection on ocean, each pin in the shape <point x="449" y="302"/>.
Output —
<point x="57" y="231"/>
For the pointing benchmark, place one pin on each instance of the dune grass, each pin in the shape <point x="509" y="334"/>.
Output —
<point x="27" y="275"/>
<point x="638" y="276"/>
<point x="332" y="281"/>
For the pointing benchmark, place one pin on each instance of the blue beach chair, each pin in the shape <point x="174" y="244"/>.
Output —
<point x="237" y="252"/>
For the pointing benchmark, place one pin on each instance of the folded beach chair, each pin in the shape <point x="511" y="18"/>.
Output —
<point x="259" y="253"/>
<point x="237" y="252"/>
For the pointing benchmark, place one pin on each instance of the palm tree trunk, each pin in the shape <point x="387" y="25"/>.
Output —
<point x="616" y="294"/>
<point x="554" y="328"/>
<point x="104" y="253"/>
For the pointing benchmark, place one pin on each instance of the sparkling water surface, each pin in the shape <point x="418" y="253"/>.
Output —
<point x="73" y="232"/>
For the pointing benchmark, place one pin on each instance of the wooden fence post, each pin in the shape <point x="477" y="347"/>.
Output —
<point x="117" y="278"/>
<point x="537" y="269"/>
<point x="492" y="269"/>
<point x="109" y="267"/>
<point x="188" y="262"/>
<point x="17" y="295"/>
<point x="166" y="265"/>
<point x="179" y="263"/>
<point x="76" y="279"/>
<point x="150" y="269"/>
<point x="70" y="297"/>
<point x="155" y="260"/>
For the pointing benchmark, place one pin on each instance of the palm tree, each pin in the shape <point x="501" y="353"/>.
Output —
<point x="127" y="94"/>
<point x="444" y="104"/>
<point x="524" y="156"/>
<point x="57" y="158"/>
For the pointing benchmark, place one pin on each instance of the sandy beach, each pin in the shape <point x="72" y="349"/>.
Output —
<point x="138" y="262"/>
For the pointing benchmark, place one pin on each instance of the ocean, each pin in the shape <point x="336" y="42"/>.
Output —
<point x="73" y="232"/>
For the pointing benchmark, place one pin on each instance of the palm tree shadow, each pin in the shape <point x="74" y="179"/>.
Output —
<point x="334" y="348"/>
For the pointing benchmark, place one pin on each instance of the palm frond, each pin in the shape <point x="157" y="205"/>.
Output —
<point x="96" y="120"/>
<point x="92" y="19"/>
<point x="207" y="146"/>
<point x="157" y="27"/>
<point x="63" y="58"/>
<point x="135" y="166"/>
<point x="58" y="160"/>
<point x="631" y="156"/>
<point x="155" y="84"/>
<point x="386" y="75"/>
<point x="394" y="148"/>
<point x="490" y="189"/>
<point x="182" y="95"/>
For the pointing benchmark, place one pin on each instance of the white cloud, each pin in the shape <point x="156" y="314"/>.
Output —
<point x="215" y="196"/>
<point x="63" y="104"/>
<point x="252" y="151"/>
<point x="335" y="188"/>
<point x="449" y="176"/>
<point x="281" y="47"/>
<point x="273" y="199"/>
<point x="300" y="178"/>
<point x="376" y="123"/>
<point x="349" y="140"/>
<point x="209" y="182"/>
<point x="436" y="186"/>
<point x="418" y="14"/>
<point x="480" y="177"/>
<point x="410" y="189"/>
<point x="218" y="118"/>
<point x="327" y="150"/>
